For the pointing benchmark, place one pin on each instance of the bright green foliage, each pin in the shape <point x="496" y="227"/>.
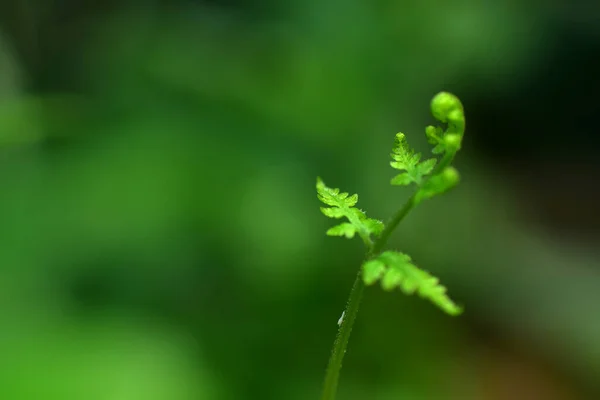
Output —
<point x="448" y="109"/>
<point x="342" y="205"/>
<point x="444" y="142"/>
<point x="433" y="178"/>
<point x="396" y="270"/>
<point x="405" y="159"/>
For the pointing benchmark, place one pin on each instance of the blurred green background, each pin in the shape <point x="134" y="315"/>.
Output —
<point x="160" y="234"/>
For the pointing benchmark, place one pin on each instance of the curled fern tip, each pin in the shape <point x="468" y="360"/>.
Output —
<point x="446" y="107"/>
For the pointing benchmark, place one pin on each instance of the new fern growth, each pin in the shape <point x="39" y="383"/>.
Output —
<point x="390" y="268"/>
<point x="342" y="205"/>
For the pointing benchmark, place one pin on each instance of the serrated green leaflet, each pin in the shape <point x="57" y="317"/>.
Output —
<point x="396" y="271"/>
<point x="342" y="205"/>
<point x="405" y="159"/>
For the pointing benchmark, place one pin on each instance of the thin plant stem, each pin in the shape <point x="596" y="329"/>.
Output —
<point x="341" y="341"/>
<point x="340" y="345"/>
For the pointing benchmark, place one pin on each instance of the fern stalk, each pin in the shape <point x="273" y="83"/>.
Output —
<point x="395" y="269"/>
<point x="341" y="341"/>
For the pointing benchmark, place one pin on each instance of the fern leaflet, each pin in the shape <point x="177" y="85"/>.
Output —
<point x="405" y="159"/>
<point x="342" y="205"/>
<point x="396" y="270"/>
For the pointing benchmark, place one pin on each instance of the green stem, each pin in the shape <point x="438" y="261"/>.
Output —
<point x="444" y="162"/>
<point x="341" y="341"/>
<point x="391" y="225"/>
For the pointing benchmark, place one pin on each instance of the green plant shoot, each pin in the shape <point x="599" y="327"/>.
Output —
<point x="390" y="268"/>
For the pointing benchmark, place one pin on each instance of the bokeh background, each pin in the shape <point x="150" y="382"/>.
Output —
<point x="160" y="237"/>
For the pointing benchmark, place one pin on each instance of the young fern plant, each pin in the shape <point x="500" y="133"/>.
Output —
<point x="390" y="268"/>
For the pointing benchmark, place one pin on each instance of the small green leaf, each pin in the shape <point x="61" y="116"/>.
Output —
<point x="332" y="212"/>
<point x="352" y="200"/>
<point x="343" y="229"/>
<point x="434" y="134"/>
<point x="342" y="205"/>
<point x="402" y="179"/>
<point x="375" y="226"/>
<point x="405" y="159"/>
<point x="403" y="155"/>
<point x="391" y="279"/>
<point x="396" y="270"/>
<point x="372" y="271"/>
<point x="434" y="137"/>
<point x="426" y="166"/>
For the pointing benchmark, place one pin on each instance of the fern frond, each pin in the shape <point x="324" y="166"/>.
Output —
<point x="396" y="270"/>
<point x="341" y="204"/>
<point x="446" y="108"/>
<point x="405" y="159"/>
